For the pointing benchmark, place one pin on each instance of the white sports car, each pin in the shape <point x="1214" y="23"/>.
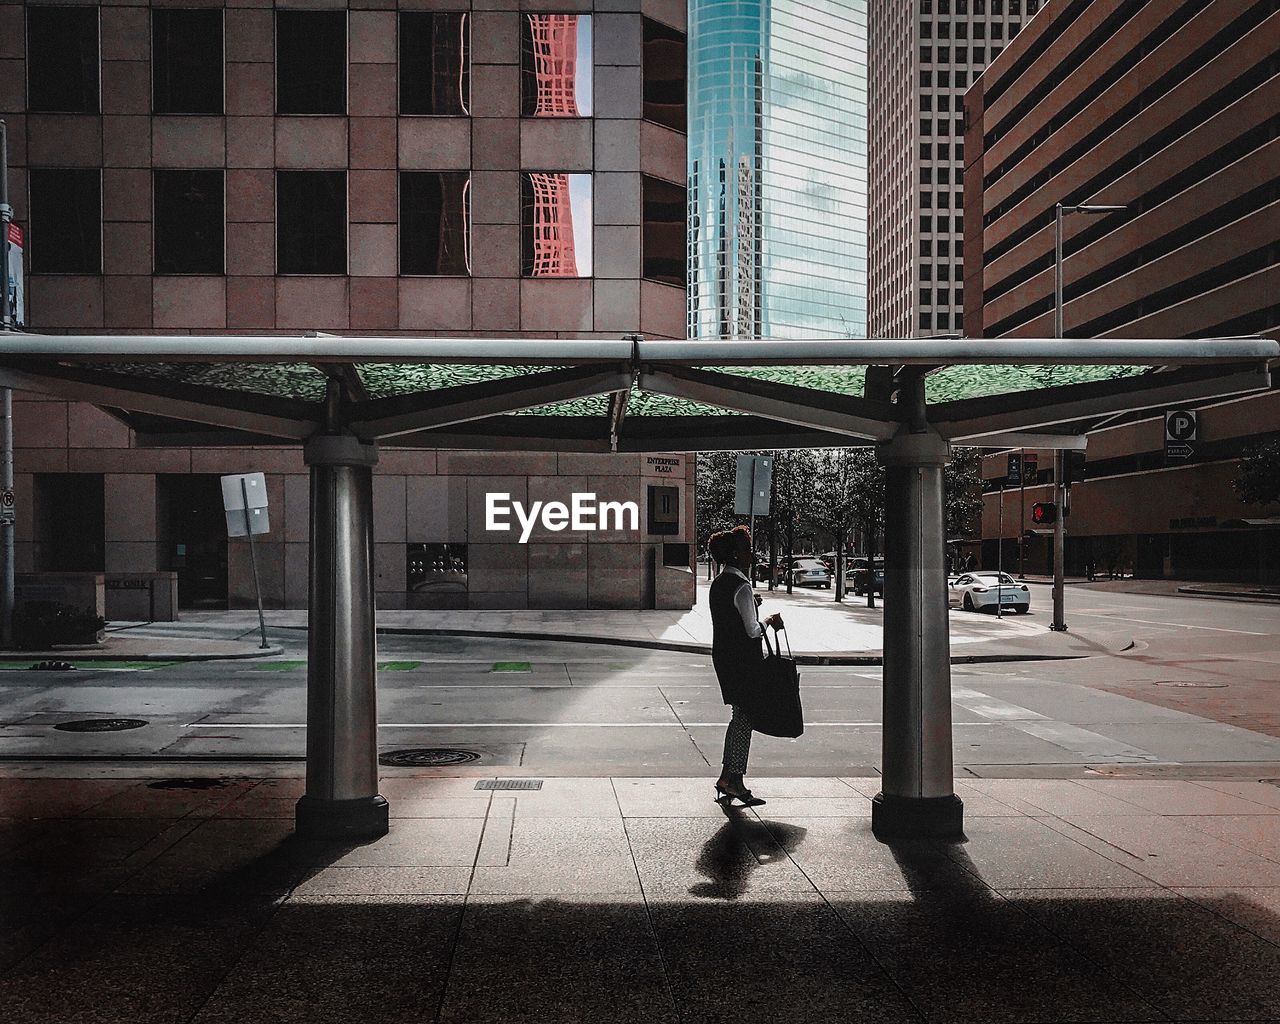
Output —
<point x="974" y="591"/>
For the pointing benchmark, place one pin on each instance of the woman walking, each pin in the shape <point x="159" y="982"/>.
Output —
<point x="736" y="654"/>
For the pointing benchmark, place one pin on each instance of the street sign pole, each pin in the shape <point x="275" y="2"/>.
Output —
<point x="1059" y="540"/>
<point x="7" y="526"/>
<point x="253" y="561"/>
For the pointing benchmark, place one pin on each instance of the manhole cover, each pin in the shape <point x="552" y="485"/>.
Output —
<point x="101" y="725"/>
<point x="187" y="784"/>
<point x="427" y="757"/>
<point x="1190" y="684"/>
<point x="509" y="784"/>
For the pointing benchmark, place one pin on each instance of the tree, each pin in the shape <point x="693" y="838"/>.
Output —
<point x="869" y="506"/>
<point x="1258" y="482"/>
<point x="793" y="494"/>
<point x="713" y="508"/>
<point x="848" y="494"/>
<point x="962" y="483"/>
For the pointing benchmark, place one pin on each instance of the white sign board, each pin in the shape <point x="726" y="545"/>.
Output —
<point x="752" y="485"/>
<point x="14" y="282"/>
<point x="254" y="488"/>
<point x="244" y="499"/>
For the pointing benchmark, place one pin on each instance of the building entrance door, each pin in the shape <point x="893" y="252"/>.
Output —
<point x="193" y="537"/>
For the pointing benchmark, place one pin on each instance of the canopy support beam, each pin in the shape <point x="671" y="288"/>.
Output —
<point x="341" y="799"/>
<point x="917" y="797"/>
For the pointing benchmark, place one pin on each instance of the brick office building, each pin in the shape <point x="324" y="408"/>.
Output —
<point x="185" y="168"/>
<point x="1173" y="111"/>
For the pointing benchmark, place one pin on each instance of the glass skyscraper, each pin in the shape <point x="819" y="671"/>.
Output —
<point x="777" y="168"/>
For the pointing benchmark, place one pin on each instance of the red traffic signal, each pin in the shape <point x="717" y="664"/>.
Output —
<point x="1044" y="513"/>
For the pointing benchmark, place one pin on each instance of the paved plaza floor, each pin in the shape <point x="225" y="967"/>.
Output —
<point x="131" y="896"/>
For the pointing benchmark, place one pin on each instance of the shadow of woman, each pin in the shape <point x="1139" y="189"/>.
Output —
<point x="740" y="846"/>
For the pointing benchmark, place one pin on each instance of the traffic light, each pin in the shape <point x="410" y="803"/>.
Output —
<point x="1073" y="467"/>
<point x="1044" y="513"/>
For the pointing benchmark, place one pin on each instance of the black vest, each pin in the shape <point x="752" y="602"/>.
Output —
<point x="734" y="654"/>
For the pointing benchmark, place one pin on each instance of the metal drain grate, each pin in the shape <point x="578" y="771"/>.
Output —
<point x="427" y="757"/>
<point x="101" y="725"/>
<point x="187" y="784"/>
<point x="508" y="784"/>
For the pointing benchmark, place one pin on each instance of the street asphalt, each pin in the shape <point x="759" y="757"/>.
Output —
<point x="1196" y="694"/>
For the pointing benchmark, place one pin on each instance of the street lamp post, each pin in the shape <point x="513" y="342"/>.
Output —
<point x="1059" y="459"/>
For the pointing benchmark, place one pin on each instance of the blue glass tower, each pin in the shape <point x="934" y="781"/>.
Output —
<point x="777" y="168"/>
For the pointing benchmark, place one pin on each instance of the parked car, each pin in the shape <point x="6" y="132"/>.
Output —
<point x="975" y="591"/>
<point x="809" y="572"/>
<point x="865" y="573"/>
<point x="761" y="571"/>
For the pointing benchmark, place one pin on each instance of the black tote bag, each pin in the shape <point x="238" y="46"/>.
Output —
<point x="774" y="708"/>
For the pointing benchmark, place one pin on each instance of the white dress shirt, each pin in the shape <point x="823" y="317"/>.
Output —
<point x="744" y="599"/>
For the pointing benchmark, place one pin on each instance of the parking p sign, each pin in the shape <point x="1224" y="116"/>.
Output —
<point x="1180" y="429"/>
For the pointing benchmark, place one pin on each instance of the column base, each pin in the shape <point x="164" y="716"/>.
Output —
<point x="901" y="817"/>
<point x="365" y="818"/>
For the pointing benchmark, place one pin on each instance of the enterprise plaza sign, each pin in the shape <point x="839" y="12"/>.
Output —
<point x="583" y="513"/>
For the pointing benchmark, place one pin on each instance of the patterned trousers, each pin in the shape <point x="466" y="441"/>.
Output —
<point x="737" y="742"/>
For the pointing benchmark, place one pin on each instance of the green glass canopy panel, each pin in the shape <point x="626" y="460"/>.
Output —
<point x="621" y="394"/>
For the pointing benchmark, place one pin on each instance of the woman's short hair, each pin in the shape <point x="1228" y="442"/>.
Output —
<point x="722" y="544"/>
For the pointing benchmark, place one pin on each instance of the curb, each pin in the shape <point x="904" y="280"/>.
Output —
<point x="1255" y="597"/>
<point x="835" y="658"/>
<point x="93" y="655"/>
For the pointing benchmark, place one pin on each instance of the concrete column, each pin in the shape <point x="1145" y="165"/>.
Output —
<point x="917" y="797"/>
<point x="342" y="799"/>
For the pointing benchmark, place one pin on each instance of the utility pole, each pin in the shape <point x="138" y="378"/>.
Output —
<point x="1059" y="457"/>
<point x="6" y="407"/>
<point x="1059" y="623"/>
<point x="1022" y="518"/>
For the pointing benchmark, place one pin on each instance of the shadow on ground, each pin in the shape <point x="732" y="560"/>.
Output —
<point x="227" y="925"/>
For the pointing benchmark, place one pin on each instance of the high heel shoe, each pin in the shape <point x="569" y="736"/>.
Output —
<point x="745" y="799"/>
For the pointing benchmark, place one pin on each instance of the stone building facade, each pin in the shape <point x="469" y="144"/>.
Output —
<point x="235" y="169"/>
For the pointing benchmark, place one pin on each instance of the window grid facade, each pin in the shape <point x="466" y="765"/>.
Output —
<point x="127" y="283"/>
<point x="925" y="55"/>
<point x="777" y="169"/>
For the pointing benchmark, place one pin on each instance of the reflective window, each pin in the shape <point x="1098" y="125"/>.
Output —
<point x="62" y="60"/>
<point x="186" y="61"/>
<point x="555" y="65"/>
<point x="555" y="224"/>
<point x="66" y="221"/>
<point x="189" y="222"/>
<point x="664" y="244"/>
<point x="777" y="166"/>
<point x="311" y="222"/>
<point x="435" y="223"/>
<point x="665" y="60"/>
<point x="311" y="62"/>
<point x="435" y="62"/>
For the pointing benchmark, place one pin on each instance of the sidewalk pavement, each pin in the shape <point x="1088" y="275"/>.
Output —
<point x="139" y="899"/>
<point x="819" y="630"/>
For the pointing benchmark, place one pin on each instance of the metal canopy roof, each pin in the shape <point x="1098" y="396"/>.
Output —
<point x="621" y="395"/>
